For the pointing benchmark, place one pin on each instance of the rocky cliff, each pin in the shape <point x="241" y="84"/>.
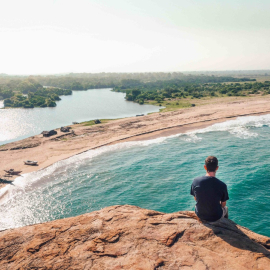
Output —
<point x="128" y="237"/>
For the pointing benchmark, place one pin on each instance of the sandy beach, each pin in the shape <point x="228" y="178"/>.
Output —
<point x="63" y="145"/>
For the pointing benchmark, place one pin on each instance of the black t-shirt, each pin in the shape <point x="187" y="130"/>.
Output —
<point x="209" y="192"/>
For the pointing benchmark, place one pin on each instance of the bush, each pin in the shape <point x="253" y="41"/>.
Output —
<point x="28" y="106"/>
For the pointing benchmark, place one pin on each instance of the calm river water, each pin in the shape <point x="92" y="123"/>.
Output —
<point x="16" y="124"/>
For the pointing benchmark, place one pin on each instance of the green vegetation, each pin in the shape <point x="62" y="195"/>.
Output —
<point x="29" y="94"/>
<point x="23" y="85"/>
<point x="92" y="122"/>
<point x="43" y="97"/>
<point x="84" y="81"/>
<point x="5" y="94"/>
<point x="172" y="93"/>
<point x="172" y="90"/>
<point x="172" y="104"/>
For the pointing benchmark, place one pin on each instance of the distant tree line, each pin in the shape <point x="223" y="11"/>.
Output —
<point x="42" y="91"/>
<point x="44" y="97"/>
<point x="5" y="93"/>
<point x="162" y="90"/>
<point x="29" y="94"/>
<point x="84" y="81"/>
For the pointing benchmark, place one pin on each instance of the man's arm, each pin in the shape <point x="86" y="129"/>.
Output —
<point x="195" y="198"/>
<point x="225" y="197"/>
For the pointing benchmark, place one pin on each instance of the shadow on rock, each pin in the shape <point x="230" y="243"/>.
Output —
<point x="239" y="238"/>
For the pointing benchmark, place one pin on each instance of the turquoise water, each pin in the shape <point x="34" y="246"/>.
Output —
<point x="17" y="124"/>
<point x="154" y="174"/>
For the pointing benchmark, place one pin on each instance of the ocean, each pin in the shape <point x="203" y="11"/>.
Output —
<point x="154" y="174"/>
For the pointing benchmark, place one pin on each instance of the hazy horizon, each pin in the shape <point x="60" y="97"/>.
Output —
<point x="90" y="36"/>
<point x="185" y="72"/>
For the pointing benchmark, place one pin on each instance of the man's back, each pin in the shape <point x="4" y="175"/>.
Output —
<point x="209" y="192"/>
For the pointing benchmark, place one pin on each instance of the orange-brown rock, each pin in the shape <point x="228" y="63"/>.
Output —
<point x="128" y="237"/>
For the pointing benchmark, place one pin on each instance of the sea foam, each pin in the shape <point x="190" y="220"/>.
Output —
<point x="31" y="180"/>
<point x="240" y="127"/>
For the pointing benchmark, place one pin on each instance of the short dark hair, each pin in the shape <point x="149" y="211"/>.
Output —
<point x="211" y="163"/>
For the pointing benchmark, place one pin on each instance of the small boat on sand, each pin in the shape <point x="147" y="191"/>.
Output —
<point x="12" y="172"/>
<point x="30" y="162"/>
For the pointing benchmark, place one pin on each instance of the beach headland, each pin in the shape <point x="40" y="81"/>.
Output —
<point x="64" y="145"/>
<point x="129" y="237"/>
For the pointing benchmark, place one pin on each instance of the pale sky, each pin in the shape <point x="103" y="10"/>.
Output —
<point x="59" y="36"/>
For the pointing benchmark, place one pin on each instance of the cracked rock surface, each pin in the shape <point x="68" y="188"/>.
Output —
<point x="129" y="237"/>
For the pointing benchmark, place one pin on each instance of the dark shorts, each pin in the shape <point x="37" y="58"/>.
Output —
<point x="225" y="211"/>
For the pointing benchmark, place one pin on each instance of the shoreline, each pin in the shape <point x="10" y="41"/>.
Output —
<point x="47" y="151"/>
<point x="174" y="130"/>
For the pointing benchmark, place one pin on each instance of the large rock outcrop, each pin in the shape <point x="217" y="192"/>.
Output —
<point x="128" y="237"/>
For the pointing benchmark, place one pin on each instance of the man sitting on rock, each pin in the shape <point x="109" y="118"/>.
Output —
<point x="210" y="193"/>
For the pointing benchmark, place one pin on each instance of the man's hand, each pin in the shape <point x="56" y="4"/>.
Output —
<point x="223" y="204"/>
<point x="195" y="198"/>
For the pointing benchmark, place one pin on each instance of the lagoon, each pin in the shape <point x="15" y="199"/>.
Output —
<point x="17" y="124"/>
